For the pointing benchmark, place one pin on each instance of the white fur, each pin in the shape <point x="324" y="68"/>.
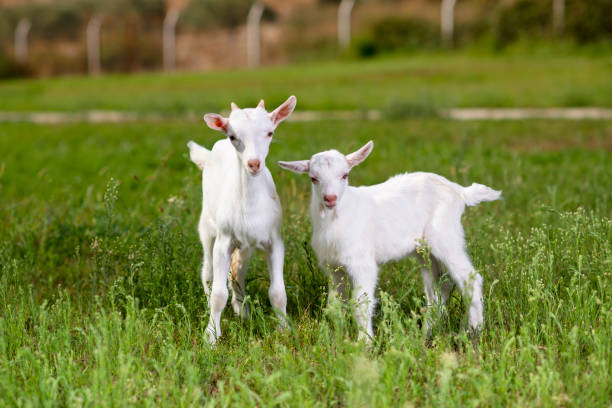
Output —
<point x="371" y="225"/>
<point x="241" y="210"/>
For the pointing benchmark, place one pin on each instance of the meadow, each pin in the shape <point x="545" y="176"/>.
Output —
<point x="101" y="302"/>
<point x="421" y="80"/>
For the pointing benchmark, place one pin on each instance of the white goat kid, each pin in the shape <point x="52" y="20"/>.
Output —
<point x="241" y="210"/>
<point x="357" y="228"/>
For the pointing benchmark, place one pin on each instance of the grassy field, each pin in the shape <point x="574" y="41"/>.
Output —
<point x="101" y="303"/>
<point x="422" y="80"/>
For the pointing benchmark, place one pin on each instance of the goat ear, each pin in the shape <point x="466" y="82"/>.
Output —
<point x="360" y="155"/>
<point x="299" y="167"/>
<point x="282" y="112"/>
<point x="234" y="106"/>
<point x="261" y="104"/>
<point x="198" y="154"/>
<point x="216" y="121"/>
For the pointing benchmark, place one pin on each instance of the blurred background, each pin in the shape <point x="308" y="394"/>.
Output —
<point x="59" y="37"/>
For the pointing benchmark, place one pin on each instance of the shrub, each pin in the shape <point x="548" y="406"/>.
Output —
<point x="364" y="47"/>
<point x="470" y="32"/>
<point x="7" y="23"/>
<point x="9" y="68"/>
<point x="131" y="36"/>
<point x="585" y="21"/>
<point x="398" y="33"/>
<point x="525" y="17"/>
<point x="404" y="33"/>
<point x="67" y="19"/>
<point x="216" y="13"/>
<point x="144" y="8"/>
<point x="57" y="20"/>
<point x="588" y="21"/>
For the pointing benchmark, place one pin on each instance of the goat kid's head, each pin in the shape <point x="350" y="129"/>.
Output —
<point x="328" y="172"/>
<point x="250" y="130"/>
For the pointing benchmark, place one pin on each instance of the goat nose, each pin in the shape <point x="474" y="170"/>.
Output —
<point x="254" y="165"/>
<point x="330" y="197"/>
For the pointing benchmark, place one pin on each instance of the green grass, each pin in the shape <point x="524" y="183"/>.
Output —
<point x="431" y="80"/>
<point x="101" y="303"/>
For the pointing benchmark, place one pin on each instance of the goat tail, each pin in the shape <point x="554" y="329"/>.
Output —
<point x="198" y="154"/>
<point x="477" y="193"/>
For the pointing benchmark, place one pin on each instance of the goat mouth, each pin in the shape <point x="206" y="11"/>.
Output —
<point x="330" y="204"/>
<point x="254" y="173"/>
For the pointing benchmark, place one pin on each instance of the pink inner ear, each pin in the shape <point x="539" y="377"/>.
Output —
<point x="355" y="158"/>
<point x="284" y="111"/>
<point x="220" y="123"/>
<point x="281" y="113"/>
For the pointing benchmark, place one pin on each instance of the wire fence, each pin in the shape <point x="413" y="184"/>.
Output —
<point x="247" y="41"/>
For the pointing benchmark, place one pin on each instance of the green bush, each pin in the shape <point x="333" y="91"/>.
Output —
<point x="585" y="21"/>
<point x="398" y="34"/>
<point x="7" y="22"/>
<point x="58" y="20"/>
<point x="364" y="47"/>
<point x="589" y="21"/>
<point x="525" y="17"/>
<point x="471" y="32"/>
<point x="144" y="8"/>
<point x="131" y="38"/>
<point x="67" y="19"/>
<point x="201" y="14"/>
<point x="405" y="33"/>
<point x="9" y="68"/>
<point x="216" y="13"/>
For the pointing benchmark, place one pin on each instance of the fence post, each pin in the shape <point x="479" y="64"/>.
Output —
<point x="344" y="22"/>
<point x="21" y="40"/>
<point x="169" y="39"/>
<point x="93" y="44"/>
<point x="558" y="15"/>
<point x="253" y="34"/>
<point x="447" y="20"/>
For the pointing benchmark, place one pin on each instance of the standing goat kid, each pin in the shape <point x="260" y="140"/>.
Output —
<point x="357" y="228"/>
<point x="241" y="210"/>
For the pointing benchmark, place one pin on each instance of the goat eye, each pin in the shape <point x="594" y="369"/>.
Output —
<point x="270" y="134"/>
<point x="232" y="137"/>
<point x="314" y="180"/>
<point x="345" y="176"/>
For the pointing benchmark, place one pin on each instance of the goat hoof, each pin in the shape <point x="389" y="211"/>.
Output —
<point x="210" y="337"/>
<point x="242" y="309"/>
<point x="282" y="325"/>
